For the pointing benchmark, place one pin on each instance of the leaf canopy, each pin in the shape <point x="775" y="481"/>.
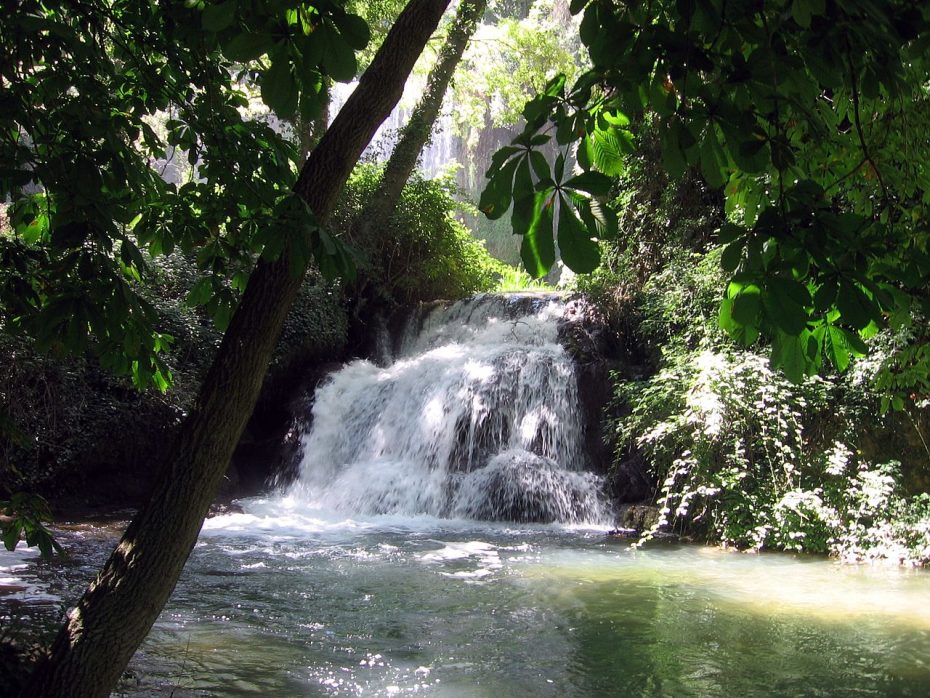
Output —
<point x="812" y="118"/>
<point x="101" y="100"/>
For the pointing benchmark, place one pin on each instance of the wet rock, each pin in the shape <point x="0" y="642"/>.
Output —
<point x="638" y="517"/>
<point x="630" y="481"/>
<point x="523" y="487"/>
<point x="223" y="508"/>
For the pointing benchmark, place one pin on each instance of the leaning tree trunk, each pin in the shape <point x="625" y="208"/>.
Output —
<point x="309" y="132"/>
<point x="118" y="609"/>
<point x="373" y="218"/>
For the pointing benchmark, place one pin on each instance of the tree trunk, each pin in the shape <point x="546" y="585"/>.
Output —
<point x="117" y="611"/>
<point x="310" y="132"/>
<point x="415" y="134"/>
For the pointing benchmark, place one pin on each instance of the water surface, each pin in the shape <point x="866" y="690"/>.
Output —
<point x="281" y="603"/>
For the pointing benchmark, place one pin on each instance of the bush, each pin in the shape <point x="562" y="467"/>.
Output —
<point x="426" y="252"/>
<point x="745" y="457"/>
<point x="69" y="428"/>
<point x="741" y="455"/>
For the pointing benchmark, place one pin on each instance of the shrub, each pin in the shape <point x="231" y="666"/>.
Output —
<point x="426" y="252"/>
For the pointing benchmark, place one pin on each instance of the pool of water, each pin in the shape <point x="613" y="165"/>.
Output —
<point x="281" y="602"/>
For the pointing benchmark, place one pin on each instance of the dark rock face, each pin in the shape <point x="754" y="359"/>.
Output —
<point x="630" y="481"/>
<point x="270" y="452"/>
<point x="598" y="351"/>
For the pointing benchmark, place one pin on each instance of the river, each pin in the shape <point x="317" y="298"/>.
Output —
<point x="446" y="536"/>
<point x="302" y="603"/>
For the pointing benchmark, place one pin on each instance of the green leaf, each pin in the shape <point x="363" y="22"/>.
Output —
<point x="248" y="46"/>
<point x="790" y="354"/>
<point x="785" y="303"/>
<point x="606" y="149"/>
<point x="218" y="17"/>
<point x="500" y="157"/>
<point x="555" y="86"/>
<point x="855" y="307"/>
<point x="279" y="88"/>
<point x="599" y="219"/>
<point x="338" y="58"/>
<point x="497" y="194"/>
<point x="537" y="110"/>
<point x="524" y="199"/>
<point x="746" y="306"/>
<point x="540" y="166"/>
<point x="579" y="252"/>
<point x="731" y="256"/>
<point x="746" y="335"/>
<point x="825" y="295"/>
<point x="201" y="292"/>
<point x="729" y="232"/>
<point x="354" y="30"/>
<point x="855" y="344"/>
<point x="538" y="248"/>
<point x="725" y="316"/>
<point x="834" y="346"/>
<point x="311" y="106"/>
<point x="10" y="534"/>
<point x="595" y="183"/>
<point x="713" y="159"/>
<point x="800" y="11"/>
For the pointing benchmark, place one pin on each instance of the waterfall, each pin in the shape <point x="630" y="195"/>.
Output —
<point x="475" y="416"/>
<point x="442" y="149"/>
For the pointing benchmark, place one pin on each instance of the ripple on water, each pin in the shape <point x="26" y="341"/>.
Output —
<point x="459" y="609"/>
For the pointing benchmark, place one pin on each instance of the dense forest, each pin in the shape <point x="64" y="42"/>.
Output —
<point x="198" y="224"/>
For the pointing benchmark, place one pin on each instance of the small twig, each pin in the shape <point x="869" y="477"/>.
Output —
<point x="848" y="174"/>
<point x="857" y="121"/>
<point x="919" y="432"/>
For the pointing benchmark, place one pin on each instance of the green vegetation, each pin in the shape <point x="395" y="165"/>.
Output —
<point x="742" y="455"/>
<point x="813" y="120"/>
<point x="748" y="458"/>
<point x="743" y="188"/>
<point x="513" y="279"/>
<point x="425" y="252"/>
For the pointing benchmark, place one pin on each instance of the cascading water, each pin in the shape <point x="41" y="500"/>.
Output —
<point x="475" y="417"/>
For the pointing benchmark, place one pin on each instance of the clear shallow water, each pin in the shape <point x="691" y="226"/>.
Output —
<point x="282" y="603"/>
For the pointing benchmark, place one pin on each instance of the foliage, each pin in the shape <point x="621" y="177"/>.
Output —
<point x="425" y="252"/>
<point x="26" y="514"/>
<point x="514" y="279"/>
<point x="83" y="81"/>
<point x="500" y="241"/>
<point x="508" y="62"/>
<point x="744" y="456"/>
<point x="813" y="119"/>
<point x="740" y="461"/>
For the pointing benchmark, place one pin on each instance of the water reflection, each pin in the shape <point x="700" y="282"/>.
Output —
<point x="387" y="607"/>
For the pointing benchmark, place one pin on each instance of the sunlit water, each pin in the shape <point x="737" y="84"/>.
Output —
<point x="305" y="604"/>
<point x="476" y="417"/>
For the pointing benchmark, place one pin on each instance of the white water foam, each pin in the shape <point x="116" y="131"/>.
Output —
<point x="476" y="417"/>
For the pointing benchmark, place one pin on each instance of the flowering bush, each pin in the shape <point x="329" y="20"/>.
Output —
<point x="751" y="460"/>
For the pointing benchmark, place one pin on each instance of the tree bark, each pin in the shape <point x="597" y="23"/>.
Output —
<point x="117" y="611"/>
<point x="310" y="132"/>
<point x="416" y="132"/>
